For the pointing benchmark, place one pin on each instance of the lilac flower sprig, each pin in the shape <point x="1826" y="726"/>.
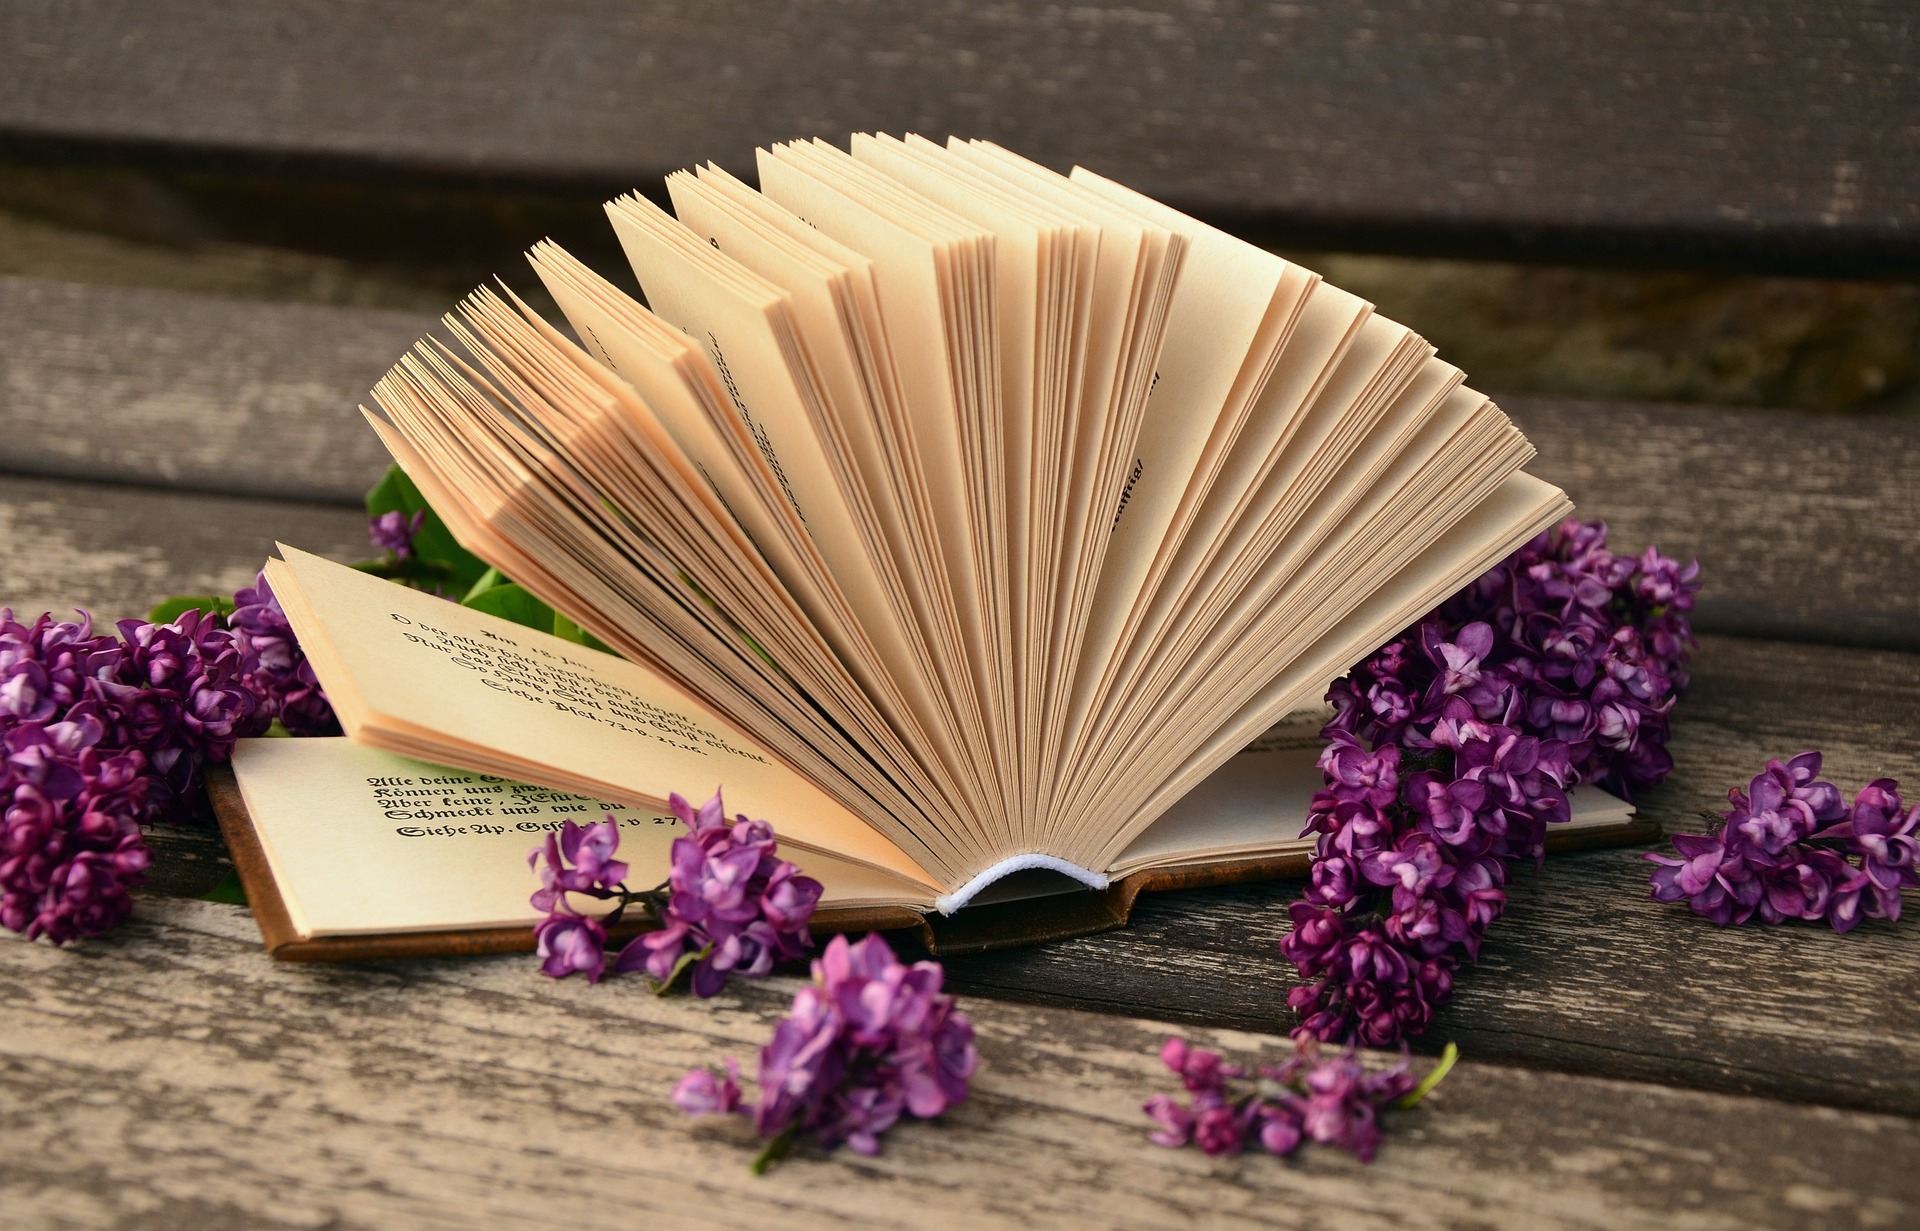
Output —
<point x="278" y="673"/>
<point x="1332" y="1100"/>
<point x="869" y="1040"/>
<point x="101" y="735"/>
<point x="393" y="532"/>
<point x="1451" y="751"/>
<point x="1791" y="847"/>
<point x="730" y="905"/>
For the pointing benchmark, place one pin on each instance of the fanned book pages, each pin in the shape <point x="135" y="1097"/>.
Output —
<point x="958" y="516"/>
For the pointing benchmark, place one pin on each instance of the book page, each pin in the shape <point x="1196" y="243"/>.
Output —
<point x="419" y="675"/>
<point x="1519" y="509"/>
<point x="364" y="842"/>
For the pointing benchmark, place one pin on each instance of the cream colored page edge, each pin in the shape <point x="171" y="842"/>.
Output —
<point x="1520" y="507"/>
<point x="359" y="618"/>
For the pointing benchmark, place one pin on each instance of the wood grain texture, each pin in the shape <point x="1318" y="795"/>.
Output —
<point x="193" y="391"/>
<point x="1783" y="133"/>
<point x="116" y="551"/>
<point x="1585" y="974"/>
<point x="1805" y="525"/>
<point x="172" y="1077"/>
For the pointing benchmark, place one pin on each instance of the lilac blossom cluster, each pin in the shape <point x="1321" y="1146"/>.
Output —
<point x="1334" y="1100"/>
<point x="1791" y="847"/>
<point x="869" y="1040"/>
<point x="70" y="845"/>
<point x="102" y="734"/>
<point x="278" y="674"/>
<point x="105" y="733"/>
<point x="1450" y="753"/>
<point x="730" y="905"/>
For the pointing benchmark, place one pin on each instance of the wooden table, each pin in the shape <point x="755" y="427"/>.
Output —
<point x="1626" y="1063"/>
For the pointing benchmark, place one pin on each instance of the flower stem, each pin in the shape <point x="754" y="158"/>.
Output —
<point x="772" y="1152"/>
<point x="686" y="959"/>
<point x="1432" y="1079"/>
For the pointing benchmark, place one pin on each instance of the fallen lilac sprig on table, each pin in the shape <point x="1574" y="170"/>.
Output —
<point x="103" y="734"/>
<point x="1791" y="847"/>
<point x="1333" y="1100"/>
<point x="730" y="904"/>
<point x="1452" y="749"/>
<point x="869" y="1040"/>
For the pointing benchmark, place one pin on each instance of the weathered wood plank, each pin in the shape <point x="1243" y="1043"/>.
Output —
<point x="173" y="1078"/>
<point x="142" y="386"/>
<point x="116" y="551"/>
<point x="1585" y="974"/>
<point x="1779" y="132"/>
<point x="1805" y="525"/>
<point x="195" y="391"/>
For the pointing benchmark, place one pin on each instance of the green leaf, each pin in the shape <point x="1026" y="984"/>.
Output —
<point x="1432" y="1079"/>
<point x="512" y="602"/>
<point x="172" y="609"/>
<point x="229" y="890"/>
<point x="436" y="552"/>
<point x="488" y="580"/>
<point x="567" y="630"/>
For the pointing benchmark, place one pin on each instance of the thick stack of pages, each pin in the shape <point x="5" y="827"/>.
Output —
<point x="956" y="515"/>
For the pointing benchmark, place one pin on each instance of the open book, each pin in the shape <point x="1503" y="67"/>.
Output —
<point x="957" y="516"/>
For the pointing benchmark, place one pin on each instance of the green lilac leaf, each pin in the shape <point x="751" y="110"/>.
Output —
<point x="229" y="890"/>
<point x="172" y="609"/>
<point x="511" y="601"/>
<point x="488" y="580"/>
<point x="567" y="630"/>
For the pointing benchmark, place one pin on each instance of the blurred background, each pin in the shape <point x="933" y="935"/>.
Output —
<point x="220" y="221"/>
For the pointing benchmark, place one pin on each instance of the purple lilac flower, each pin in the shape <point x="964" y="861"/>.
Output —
<point x="703" y="1093"/>
<point x="730" y="905"/>
<point x="393" y="531"/>
<point x="1451" y="751"/>
<point x="72" y="795"/>
<point x="571" y="944"/>
<point x="733" y="905"/>
<point x="101" y="735"/>
<point x="868" y="1041"/>
<point x="278" y="673"/>
<point x="70" y="845"/>
<point x="180" y="697"/>
<point x="1790" y="847"/>
<point x="1334" y="1101"/>
<point x="106" y="733"/>
<point x="577" y="859"/>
